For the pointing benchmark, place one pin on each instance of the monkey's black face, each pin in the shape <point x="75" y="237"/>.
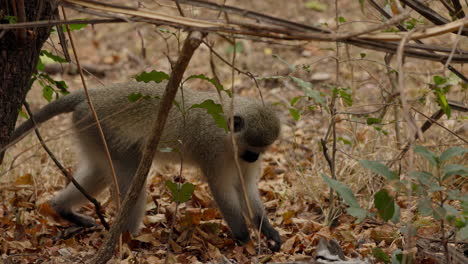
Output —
<point x="249" y="156"/>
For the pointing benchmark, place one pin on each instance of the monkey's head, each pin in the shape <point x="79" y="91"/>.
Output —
<point x="256" y="127"/>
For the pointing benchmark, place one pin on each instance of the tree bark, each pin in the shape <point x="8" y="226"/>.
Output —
<point x="19" y="53"/>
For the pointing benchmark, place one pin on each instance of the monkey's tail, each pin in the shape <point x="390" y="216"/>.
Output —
<point x="62" y="105"/>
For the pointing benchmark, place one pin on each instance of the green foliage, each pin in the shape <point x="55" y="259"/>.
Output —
<point x="50" y="86"/>
<point x="291" y="67"/>
<point x="433" y="189"/>
<point x="74" y="27"/>
<point x="180" y="193"/>
<point x="347" y="194"/>
<point x="345" y="141"/>
<point x="215" y="110"/>
<point x="307" y="87"/>
<point x="412" y="23"/>
<point x="316" y="6"/>
<point x="10" y="19"/>
<point x="51" y="56"/>
<point x="430" y="184"/>
<point x="153" y="76"/>
<point x="379" y="168"/>
<point x="133" y="97"/>
<point x="441" y="87"/>
<point x="239" y="48"/>
<point x="427" y="154"/>
<point x="379" y="254"/>
<point x="373" y="120"/>
<point x="219" y="87"/>
<point x="343" y="93"/>
<point x="384" y="204"/>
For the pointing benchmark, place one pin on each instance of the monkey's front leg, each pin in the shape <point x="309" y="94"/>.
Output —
<point x="223" y="184"/>
<point x="251" y="173"/>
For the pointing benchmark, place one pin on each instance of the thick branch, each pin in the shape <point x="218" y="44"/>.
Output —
<point x="190" y="45"/>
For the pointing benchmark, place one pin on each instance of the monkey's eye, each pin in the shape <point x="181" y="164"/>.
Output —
<point x="238" y="123"/>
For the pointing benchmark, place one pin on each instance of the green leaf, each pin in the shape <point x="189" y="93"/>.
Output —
<point x="396" y="216"/>
<point x="213" y="81"/>
<point x="341" y="19"/>
<point x="397" y="257"/>
<point x="451" y="210"/>
<point x="379" y="254"/>
<point x="454" y="169"/>
<point x="427" y="154"/>
<point x="439" y="213"/>
<point x="10" y="19"/>
<point x="424" y="206"/>
<point x="52" y="56"/>
<point x="183" y="194"/>
<point x="23" y="114"/>
<point x="239" y="47"/>
<point x="439" y="80"/>
<point x="345" y="141"/>
<point x="295" y="100"/>
<point x="362" y="55"/>
<point x="133" y="97"/>
<point x="73" y="27"/>
<point x="155" y="76"/>
<point x="308" y="89"/>
<point x="373" y="120"/>
<point x="442" y="101"/>
<point x="40" y="65"/>
<point x="316" y="6"/>
<point x="291" y="67"/>
<point x="379" y="168"/>
<point x="357" y="212"/>
<point x="62" y="86"/>
<point x="384" y="204"/>
<point x="346" y="97"/>
<point x="47" y="92"/>
<point x="462" y="234"/>
<point x="215" y="110"/>
<point x="343" y="190"/>
<point x="424" y="177"/>
<point x="295" y="113"/>
<point x="452" y="152"/>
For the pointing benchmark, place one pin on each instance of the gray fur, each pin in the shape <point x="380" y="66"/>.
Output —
<point x="202" y="143"/>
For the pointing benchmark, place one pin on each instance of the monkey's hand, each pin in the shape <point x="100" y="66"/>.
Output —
<point x="273" y="239"/>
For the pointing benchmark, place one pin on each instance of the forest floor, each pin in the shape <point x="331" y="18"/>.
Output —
<point x="292" y="187"/>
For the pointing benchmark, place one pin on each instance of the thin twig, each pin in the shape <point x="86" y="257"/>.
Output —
<point x="434" y="120"/>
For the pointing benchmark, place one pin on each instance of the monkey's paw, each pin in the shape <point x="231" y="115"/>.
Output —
<point x="78" y="219"/>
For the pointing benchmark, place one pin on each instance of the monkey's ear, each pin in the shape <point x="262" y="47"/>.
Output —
<point x="238" y="123"/>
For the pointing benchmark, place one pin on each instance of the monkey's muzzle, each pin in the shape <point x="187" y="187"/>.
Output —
<point x="249" y="156"/>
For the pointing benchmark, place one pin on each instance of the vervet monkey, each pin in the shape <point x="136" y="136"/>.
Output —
<point x="194" y="135"/>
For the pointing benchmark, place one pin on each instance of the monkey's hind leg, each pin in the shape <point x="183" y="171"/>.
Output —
<point x="126" y="164"/>
<point x="93" y="179"/>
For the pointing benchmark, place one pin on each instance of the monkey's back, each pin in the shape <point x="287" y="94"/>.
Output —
<point x="127" y="124"/>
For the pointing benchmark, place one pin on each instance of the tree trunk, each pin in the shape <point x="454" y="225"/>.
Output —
<point x="19" y="52"/>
